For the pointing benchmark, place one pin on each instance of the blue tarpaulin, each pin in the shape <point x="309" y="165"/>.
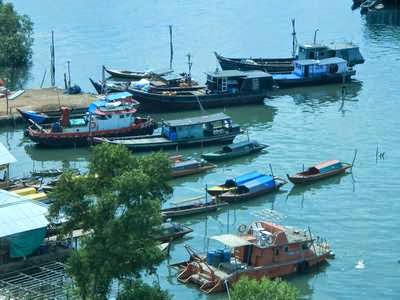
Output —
<point x="264" y="182"/>
<point x="239" y="180"/>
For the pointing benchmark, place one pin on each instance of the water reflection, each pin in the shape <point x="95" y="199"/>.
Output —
<point x="57" y="155"/>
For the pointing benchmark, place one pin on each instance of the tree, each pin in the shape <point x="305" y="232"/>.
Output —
<point x="118" y="204"/>
<point x="15" y="37"/>
<point x="263" y="289"/>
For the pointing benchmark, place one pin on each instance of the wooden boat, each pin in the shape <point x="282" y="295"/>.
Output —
<point x="233" y="183"/>
<point x="53" y="172"/>
<point x="190" y="132"/>
<point x="197" y="205"/>
<point x="348" y="51"/>
<point x="104" y="119"/>
<point x="135" y="75"/>
<point x="187" y="167"/>
<point x="170" y="231"/>
<point x="260" y="249"/>
<point x="47" y="117"/>
<point x="253" y="188"/>
<point x="223" y="88"/>
<point x="110" y="86"/>
<point x="320" y="171"/>
<point x="234" y="150"/>
<point x="315" y="72"/>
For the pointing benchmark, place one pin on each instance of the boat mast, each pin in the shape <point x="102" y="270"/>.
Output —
<point x="171" y="56"/>
<point x="294" y="39"/>
<point x="190" y="63"/>
<point x="315" y="35"/>
<point x="52" y="61"/>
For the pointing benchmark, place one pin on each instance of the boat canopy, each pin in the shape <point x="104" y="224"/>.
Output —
<point x="186" y="164"/>
<point x="327" y="166"/>
<point x="117" y="96"/>
<point x="236" y="146"/>
<point x="197" y="120"/>
<point x="260" y="183"/>
<point x="240" y="180"/>
<point x="230" y="240"/>
<point x="6" y="157"/>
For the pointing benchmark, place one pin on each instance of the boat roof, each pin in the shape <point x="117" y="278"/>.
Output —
<point x="332" y="60"/>
<point x="257" y="74"/>
<point x="315" y="46"/>
<point x="342" y="45"/>
<point x="226" y="73"/>
<point x="258" y="181"/>
<point x="19" y="214"/>
<point x="306" y="62"/>
<point x="171" y="77"/>
<point x="231" y="240"/>
<point x="186" y="163"/>
<point x="197" y="120"/>
<point x="326" y="164"/>
<point x="239" y="145"/>
<point x="116" y="96"/>
<point x="247" y="177"/>
<point x="5" y="156"/>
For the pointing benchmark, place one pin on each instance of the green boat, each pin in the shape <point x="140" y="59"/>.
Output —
<point x="234" y="150"/>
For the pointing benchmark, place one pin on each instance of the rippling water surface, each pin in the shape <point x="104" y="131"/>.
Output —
<point x="358" y="213"/>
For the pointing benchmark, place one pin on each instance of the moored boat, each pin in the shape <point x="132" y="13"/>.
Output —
<point x="315" y="72"/>
<point x="234" y="150"/>
<point x="320" y="171"/>
<point x="47" y="117"/>
<point x="170" y="231"/>
<point x="223" y="88"/>
<point x="136" y="75"/>
<point x="187" y="167"/>
<point x="233" y="183"/>
<point x="261" y="249"/>
<point x="196" y="205"/>
<point x="197" y="131"/>
<point x="253" y="188"/>
<point x="104" y="119"/>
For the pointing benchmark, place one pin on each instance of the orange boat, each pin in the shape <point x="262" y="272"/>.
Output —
<point x="262" y="249"/>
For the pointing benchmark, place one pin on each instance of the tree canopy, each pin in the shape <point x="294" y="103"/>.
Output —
<point x="264" y="289"/>
<point x="118" y="204"/>
<point x="15" y="37"/>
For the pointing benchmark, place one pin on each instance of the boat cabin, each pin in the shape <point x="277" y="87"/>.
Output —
<point x="240" y="146"/>
<point x="235" y="81"/>
<point x="324" y="167"/>
<point x="198" y="127"/>
<point x="315" y="68"/>
<point x="347" y="51"/>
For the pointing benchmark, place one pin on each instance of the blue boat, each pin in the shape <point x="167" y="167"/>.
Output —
<point x="315" y="72"/>
<point x="233" y="183"/>
<point x="253" y="188"/>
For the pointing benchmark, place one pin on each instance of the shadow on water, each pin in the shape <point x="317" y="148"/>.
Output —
<point x="57" y="155"/>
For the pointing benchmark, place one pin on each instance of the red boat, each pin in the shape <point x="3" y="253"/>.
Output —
<point x="262" y="249"/>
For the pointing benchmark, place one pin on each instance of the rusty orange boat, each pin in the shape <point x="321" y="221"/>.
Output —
<point x="261" y="249"/>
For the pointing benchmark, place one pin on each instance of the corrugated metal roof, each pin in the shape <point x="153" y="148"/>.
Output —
<point x="197" y="120"/>
<point x="5" y="156"/>
<point x="230" y="240"/>
<point x="19" y="214"/>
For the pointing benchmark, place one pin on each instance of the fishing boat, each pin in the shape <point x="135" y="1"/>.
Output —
<point x="196" y="131"/>
<point x="320" y="171"/>
<point x="234" y="150"/>
<point x="196" y="205"/>
<point x="315" y="72"/>
<point x="187" y="167"/>
<point x="233" y="183"/>
<point x="104" y="119"/>
<point x="348" y="51"/>
<point x="53" y="172"/>
<point x="134" y="75"/>
<point x="170" y="231"/>
<point x="47" y="117"/>
<point x="253" y="188"/>
<point x="223" y="88"/>
<point x="258" y="250"/>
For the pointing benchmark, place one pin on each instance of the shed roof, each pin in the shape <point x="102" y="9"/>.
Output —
<point x="230" y="240"/>
<point x="19" y="214"/>
<point x="197" y="120"/>
<point x="5" y="156"/>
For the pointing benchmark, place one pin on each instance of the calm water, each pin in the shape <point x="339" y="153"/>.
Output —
<point x="358" y="213"/>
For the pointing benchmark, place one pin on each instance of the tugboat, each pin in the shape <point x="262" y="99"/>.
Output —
<point x="262" y="249"/>
<point x="103" y="119"/>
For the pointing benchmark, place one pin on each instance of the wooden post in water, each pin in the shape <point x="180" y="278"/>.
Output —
<point x="270" y="168"/>
<point x="171" y="57"/>
<point x="44" y="77"/>
<point x="354" y="158"/>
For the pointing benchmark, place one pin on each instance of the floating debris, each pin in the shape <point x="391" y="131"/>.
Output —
<point x="360" y="264"/>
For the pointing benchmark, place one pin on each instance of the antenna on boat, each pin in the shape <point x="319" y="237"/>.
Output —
<point x="171" y="48"/>
<point x="354" y="158"/>
<point x="294" y="39"/>
<point x="270" y="168"/>
<point x="315" y="35"/>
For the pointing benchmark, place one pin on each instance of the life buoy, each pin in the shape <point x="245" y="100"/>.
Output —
<point x="93" y="124"/>
<point x="242" y="228"/>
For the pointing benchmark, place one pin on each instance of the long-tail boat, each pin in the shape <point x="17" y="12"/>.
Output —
<point x="320" y="171"/>
<point x="135" y="75"/>
<point x="261" y="249"/>
<point x="233" y="183"/>
<point x="196" y="205"/>
<point x="253" y="188"/>
<point x="170" y="231"/>
<point x="187" y="167"/>
<point x="196" y="131"/>
<point x="234" y="150"/>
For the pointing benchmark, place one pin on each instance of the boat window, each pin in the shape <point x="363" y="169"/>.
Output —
<point x="121" y="116"/>
<point x="286" y="248"/>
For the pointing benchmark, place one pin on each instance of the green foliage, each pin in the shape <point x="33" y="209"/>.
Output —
<point x="15" y="37"/>
<point x="140" y="290"/>
<point x="118" y="203"/>
<point x="263" y="289"/>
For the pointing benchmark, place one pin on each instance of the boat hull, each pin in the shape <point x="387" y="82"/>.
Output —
<point x="230" y="155"/>
<point x="175" y="235"/>
<point x="309" y="81"/>
<point x="298" y="179"/>
<point x="190" y="210"/>
<point x="160" y="102"/>
<point x="192" y="171"/>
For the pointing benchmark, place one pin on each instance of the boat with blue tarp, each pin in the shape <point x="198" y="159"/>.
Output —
<point x="253" y="188"/>
<point x="196" y="131"/>
<point x="320" y="171"/>
<point x="234" y="150"/>
<point x="233" y="183"/>
<point x="315" y="72"/>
